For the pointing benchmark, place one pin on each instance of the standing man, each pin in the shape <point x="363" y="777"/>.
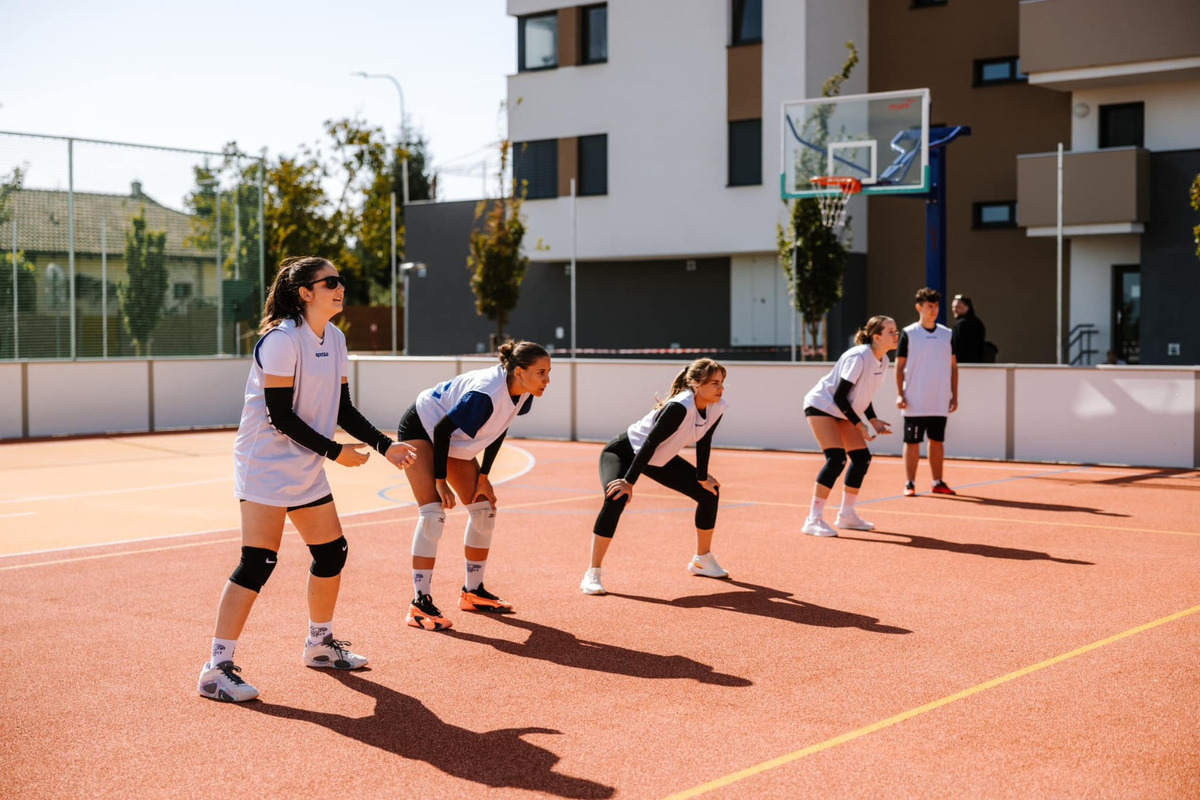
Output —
<point x="926" y="388"/>
<point x="969" y="332"/>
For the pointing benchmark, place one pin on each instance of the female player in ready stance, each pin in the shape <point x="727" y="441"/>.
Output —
<point x="296" y="395"/>
<point x="651" y="445"/>
<point x="842" y="419"/>
<point x="448" y="426"/>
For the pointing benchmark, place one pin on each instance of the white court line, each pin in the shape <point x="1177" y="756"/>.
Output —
<point x="18" y="514"/>
<point x="111" y="491"/>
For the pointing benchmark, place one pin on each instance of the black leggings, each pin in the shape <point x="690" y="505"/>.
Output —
<point x="676" y="474"/>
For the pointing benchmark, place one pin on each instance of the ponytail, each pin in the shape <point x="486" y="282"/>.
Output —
<point x="873" y="327"/>
<point x="283" y="298"/>
<point x="697" y="372"/>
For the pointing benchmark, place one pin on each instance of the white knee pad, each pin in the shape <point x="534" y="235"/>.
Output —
<point x="429" y="530"/>
<point x="480" y="525"/>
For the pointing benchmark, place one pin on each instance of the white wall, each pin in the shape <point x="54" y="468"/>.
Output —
<point x="1172" y="114"/>
<point x="10" y="401"/>
<point x="88" y="397"/>
<point x="195" y="393"/>
<point x="1092" y="260"/>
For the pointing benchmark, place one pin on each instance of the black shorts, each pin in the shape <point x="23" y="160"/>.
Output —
<point x="411" y="427"/>
<point x="813" y="411"/>
<point x="320" y="501"/>
<point x="915" y="429"/>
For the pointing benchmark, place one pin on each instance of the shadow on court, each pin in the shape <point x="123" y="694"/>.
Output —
<point x="763" y="601"/>
<point x="404" y="726"/>
<point x="966" y="548"/>
<point x="559" y="647"/>
<point x="1029" y="505"/>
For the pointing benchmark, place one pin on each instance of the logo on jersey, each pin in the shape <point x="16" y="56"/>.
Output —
<point x="323" y="355"/>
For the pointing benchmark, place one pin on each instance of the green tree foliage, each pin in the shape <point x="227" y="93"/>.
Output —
<point x="1195" y="195"/>
<point x="811" y="255"/>
<point x="496" y="263"/>
<point x="26" y="280"/>
<point x="142" y="298"/>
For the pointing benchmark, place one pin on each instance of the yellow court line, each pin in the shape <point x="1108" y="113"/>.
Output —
<point x="236" y="539"/>
<point x="765" y="766"/>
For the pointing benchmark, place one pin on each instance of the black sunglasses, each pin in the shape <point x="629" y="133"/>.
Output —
<point x="331" y="282"/>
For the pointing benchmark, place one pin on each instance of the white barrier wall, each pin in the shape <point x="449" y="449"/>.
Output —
<point x="1144" y="416"/>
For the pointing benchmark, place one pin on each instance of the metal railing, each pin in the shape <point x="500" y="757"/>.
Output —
<point x="1079" y="344"/>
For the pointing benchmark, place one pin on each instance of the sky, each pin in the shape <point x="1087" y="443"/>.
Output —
<point x="263" y="73"/>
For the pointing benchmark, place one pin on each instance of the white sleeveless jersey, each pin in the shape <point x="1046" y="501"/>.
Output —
<point x="690" y="431"/>
<point x="857" y="365"/>
<point x="434" y="404"/>
<point x="269" y="467"/>
<point x="927" y="371"/>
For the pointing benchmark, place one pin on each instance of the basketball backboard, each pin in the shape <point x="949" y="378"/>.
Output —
<point x="882" y="139"/>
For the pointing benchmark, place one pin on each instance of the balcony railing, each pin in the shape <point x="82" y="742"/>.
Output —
<point x="1104" y="191"/>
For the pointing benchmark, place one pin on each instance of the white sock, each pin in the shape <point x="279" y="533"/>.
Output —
<point x="317" y="631"/>
<point x="422" y="582"/>
<point x="817" y="511"/>
<point x="222" y="650"/>
<point x="474" y="575"/>
<point x="848" y="503"/>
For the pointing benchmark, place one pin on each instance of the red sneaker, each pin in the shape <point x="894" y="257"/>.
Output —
<point x="941" y="488"/>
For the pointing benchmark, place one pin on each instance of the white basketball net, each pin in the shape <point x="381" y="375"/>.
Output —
<point x="832" y="196"/>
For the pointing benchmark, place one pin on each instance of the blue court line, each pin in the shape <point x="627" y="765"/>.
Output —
<point x="591" y="511"/>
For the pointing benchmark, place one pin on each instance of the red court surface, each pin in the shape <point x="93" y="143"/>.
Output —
<point x="1036" y="636"/>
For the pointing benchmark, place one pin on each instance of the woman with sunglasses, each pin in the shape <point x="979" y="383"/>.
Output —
<point x="296" y="396"/>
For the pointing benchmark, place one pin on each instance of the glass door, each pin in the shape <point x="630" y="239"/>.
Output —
<point x="1127" y="313"/>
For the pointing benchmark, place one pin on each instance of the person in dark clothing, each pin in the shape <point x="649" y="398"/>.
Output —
<point x="969" y="332"/>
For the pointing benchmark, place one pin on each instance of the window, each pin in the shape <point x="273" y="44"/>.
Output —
<point x="994" y="215"/>
<point x="745" y="153"/>
<point x="537" y="42"/>
<point x="595" y="34"/>
<point x="993" y="71"/>
<point x="593" y="164"/>
<point x="1123" y="125"/>
<point x="747" y="22"/>
<point x="537" y="163"/>
<point x="181" y="291"/>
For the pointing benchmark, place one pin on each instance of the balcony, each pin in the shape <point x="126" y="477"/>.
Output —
<point x="1083" y="44"/>
<point x="1104" y="192"/>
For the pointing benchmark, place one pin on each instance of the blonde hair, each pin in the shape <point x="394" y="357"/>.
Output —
<point x="873" y="328"/>
<point x="696" y="372"/>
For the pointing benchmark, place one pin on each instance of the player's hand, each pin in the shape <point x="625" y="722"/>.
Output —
<point x="880" y="426"/>
<point x="618" y="489"/>
<point x="953" y="403"/>
<point x="901" y="402"/>
<point x="351" y="457"/>
<point x="446" y="493"/>
<point x="484" y="490"/>
<point x="710" y="485"/>
<point x="401" y="455"/>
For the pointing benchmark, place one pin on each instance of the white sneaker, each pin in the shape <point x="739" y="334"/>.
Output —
<point x="591" y="582"/>
<point x="332" y="653"/>
<point x="853" y="521"/>
<point x="817" y="527"/>
<point x="222" y="683"/>
<point x="707" y="566"/>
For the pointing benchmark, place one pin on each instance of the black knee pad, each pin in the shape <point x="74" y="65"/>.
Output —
<point x="328" y="558"/>
<point x="859" y="461"/>
<point x="255" y="568"/>
<point x="835" y="460"/>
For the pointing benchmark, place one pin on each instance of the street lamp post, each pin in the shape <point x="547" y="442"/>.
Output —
<point x="403" y="127"/>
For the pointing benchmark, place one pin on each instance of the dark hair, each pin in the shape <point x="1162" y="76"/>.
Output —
<point x="520" y="354"/>
<point x="283" y="298"/>
<point x="966" y="301"/>
<point x="928" y="295"/>
<point x="696" y="372"/>
<point x="873" y="327"/>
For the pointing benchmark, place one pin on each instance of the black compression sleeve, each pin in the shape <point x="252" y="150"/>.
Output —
<point x="355" y="424"/>
<point x="489" y="455"/>
<point x="283" y="417"/>
<point x="703" y="449"/>
<point x="870" y="412"/>
<point x="668" y="421"/>
<point x="441" y="447"/>
<point x="842" y="398"/>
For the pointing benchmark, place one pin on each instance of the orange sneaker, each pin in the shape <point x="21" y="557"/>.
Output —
<point x="941" y="488"/>
<point x="424" y="614"/>
<point x="483" y="601"/>
<point x="910" y="490"/>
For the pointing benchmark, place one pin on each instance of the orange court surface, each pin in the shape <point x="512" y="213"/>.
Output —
<point x="1036" y="636"/>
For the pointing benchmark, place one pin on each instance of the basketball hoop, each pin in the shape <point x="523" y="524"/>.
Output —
<point x="832" y="195"/>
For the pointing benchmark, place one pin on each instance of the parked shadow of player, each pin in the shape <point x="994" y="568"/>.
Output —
<point x="1029" y="505"/>
<point x="559" y="647"/>
<point x="763" y="601"/>
<point x="404" y="726"/>
<point x="966" y="548"/>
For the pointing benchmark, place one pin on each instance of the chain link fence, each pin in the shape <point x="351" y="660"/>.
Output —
<point x="117" y="250"/>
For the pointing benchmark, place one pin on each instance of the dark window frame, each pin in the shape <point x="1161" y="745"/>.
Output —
<point x="978" y="223"/>
<point x="521" y="41"/>
<point x="737" y="11"/>
<point x="929" y="3"/>
<point x="1105" y="113"/>
<point x="585" y="34"/>
<point x="587" y="190"/>
<point x="520" y="165"/>
<point x="1015" y="74"/>
<point x="733" y="176"/>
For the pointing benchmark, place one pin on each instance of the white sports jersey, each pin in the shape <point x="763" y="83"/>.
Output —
<point x="927" y="371"/>
<point x="690" y="431"/>
<point x="269" y="467"/>
<point x="857" y="365"/>
<point x="434" y="404"/>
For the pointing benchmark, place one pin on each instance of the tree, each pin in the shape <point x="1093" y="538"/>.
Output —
<point x="496" y="263"/>
<point x="143" y="296"/>
<point x="812" y="255"/>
